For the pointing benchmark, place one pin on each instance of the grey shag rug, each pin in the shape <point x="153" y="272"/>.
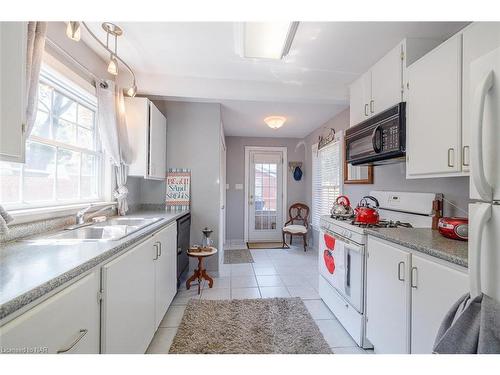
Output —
<point x="237" y="256"/>
<point x="248" y="326"/>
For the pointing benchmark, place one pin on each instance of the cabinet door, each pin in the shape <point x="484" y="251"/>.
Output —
<point x="12" y="90"/>
<point x="388" y="298"/>
<point x="387" y="81"/>
<point x="157" y="144"/>
<point x="128" y="314"/>
<point x="360" y="96"/>
<point x="67" y="322"/>
<point x="356" y="103"/>
<point x="478" y="39"/>
<point x="435" y="287"/>
<point x="434" y="112"/>
<point x="165" y="271"/>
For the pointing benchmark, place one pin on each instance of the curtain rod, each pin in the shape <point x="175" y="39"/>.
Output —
<point x="62" y="51"/>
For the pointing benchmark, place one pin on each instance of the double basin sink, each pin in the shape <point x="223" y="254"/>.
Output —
<point x="110" y="230"/>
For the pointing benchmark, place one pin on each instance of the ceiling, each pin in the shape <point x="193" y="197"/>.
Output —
<point x="199" y="60"/>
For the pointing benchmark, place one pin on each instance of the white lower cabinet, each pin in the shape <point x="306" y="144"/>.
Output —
<point x="435" y="288"/>
<point x="407" y="297"/>
<point x="67" y="322"/>
<point x="387" y="298"/>
<point x="165" y="271"/>
<point x="128" y="305"/>
<point x="138" y="288"/>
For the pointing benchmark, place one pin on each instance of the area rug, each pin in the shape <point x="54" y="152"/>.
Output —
<point x="237" y="256"/>
<point x="248" y="326"/>
<point x="266" y="245"/>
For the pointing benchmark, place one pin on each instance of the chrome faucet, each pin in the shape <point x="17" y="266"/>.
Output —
<point x="80" y="216"/>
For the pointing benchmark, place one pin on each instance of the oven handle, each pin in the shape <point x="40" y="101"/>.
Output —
<point x="353" y="245"/>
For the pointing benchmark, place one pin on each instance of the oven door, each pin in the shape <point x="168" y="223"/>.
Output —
<point x="341" y="264"/>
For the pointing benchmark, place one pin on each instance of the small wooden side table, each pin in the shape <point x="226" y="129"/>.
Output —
<point x="200" y="273"/>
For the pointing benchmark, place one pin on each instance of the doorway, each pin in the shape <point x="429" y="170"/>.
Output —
<point x="265" y="192"/>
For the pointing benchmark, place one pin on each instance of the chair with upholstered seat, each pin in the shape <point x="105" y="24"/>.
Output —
<point x="298" y="212"/>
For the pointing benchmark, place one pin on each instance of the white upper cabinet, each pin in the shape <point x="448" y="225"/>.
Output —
<point x="12" y="90"/>
<point x="479" y="39"/>
<point x="433" y="126"/>
<point x="387" y="81"/>
<point x="377" y="89"/>
<point x="147" y="137"/>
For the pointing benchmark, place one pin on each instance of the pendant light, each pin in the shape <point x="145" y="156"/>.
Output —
<point x="113" y="65"/>
<point x="73" y="30"/>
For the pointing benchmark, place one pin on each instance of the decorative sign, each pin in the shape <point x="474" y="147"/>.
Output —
<point x="178" y="189"/>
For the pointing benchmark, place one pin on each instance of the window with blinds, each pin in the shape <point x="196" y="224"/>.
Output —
<point x="326" y="177"/>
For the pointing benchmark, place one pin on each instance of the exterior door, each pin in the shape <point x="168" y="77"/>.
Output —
<point x="265" y="201"/>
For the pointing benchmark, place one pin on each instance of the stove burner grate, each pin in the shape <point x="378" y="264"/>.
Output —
<point x="383" y="224"/>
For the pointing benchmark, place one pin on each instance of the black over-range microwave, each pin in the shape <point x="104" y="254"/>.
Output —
<point x="378" y="140"/>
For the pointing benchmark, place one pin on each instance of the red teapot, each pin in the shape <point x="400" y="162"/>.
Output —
<point x="366" y="213"/>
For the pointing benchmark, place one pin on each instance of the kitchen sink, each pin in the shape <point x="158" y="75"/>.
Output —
<point x="110" y="230"/>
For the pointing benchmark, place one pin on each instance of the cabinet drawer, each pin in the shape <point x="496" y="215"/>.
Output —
<point x="67" y="322"/>
<point x="346" y="314"/>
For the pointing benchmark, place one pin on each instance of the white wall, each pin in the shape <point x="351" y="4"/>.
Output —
<point x="193" y="141"/>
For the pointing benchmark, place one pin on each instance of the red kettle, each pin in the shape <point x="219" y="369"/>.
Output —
<point x="365" y="213"/>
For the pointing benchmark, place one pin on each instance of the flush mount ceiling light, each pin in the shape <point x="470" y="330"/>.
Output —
<point x="73" y="31"/>
<point x="275" y="122"/>
<point x="267" y="40"/>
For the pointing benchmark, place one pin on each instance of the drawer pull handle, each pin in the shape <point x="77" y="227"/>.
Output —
<point x="400" y="278"/>
<point x="366" y="110"/>
<point x="156" y="251"/>
<point x="451" y="157"/>
<point x="159" y="245"/>
<point x="83" y="332"/>
<point x="414" y="277"/>
<point x="372" y="106"/>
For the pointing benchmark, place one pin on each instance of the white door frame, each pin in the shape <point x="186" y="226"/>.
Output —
<point x="283" y="151"/>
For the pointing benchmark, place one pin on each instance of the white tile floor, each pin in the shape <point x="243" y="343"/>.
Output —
<point x="275" y="273"/>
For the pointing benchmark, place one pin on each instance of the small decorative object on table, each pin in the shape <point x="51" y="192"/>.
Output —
<point x="200" y="273"/>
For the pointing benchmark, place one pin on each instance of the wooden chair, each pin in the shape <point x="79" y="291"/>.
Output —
<point x="298" y="212"/>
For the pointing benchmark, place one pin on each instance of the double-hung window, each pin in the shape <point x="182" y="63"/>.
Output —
<point x="326" y="179"/>
<point x="63" y="154"/>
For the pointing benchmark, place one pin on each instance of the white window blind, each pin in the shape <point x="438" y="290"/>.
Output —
<point x="326" y="177"/>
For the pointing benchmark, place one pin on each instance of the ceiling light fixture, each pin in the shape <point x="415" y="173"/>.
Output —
<point x="268" y="40"/>
<point x="73" y="31"/>
<point x="275" y="122"/>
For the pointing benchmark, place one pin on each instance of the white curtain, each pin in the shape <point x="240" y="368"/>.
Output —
<point x="34" y="53"/>
<point x="112" y="129"/>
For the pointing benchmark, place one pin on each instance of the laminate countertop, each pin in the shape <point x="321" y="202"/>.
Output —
<point x="425" y="240"/>
<point x="29" y="270"/>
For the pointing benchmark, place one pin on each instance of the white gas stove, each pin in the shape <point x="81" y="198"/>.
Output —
<point x="342" y="261"/>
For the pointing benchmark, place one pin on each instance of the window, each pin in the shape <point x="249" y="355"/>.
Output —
<point x="63" y="157"/>
<point x="326" y="170"/>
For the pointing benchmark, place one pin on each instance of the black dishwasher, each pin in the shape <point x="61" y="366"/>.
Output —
<point x="183" y="243"/>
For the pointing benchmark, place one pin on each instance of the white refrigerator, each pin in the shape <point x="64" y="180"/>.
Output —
<point x="484" y="212"/>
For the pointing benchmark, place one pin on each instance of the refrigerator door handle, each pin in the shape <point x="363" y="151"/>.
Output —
<point x="478" y="176"/>
<point x="478" y="221"/>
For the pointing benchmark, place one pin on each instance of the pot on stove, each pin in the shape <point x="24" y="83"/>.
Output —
<point x="366" y="213"/>
<point x="342" y="207"/>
